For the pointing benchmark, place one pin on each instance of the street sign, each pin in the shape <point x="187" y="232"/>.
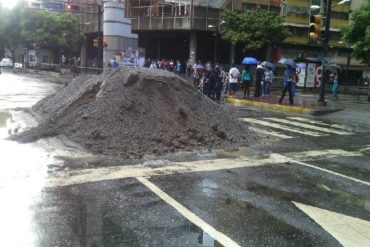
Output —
<point x="54" y="6"/>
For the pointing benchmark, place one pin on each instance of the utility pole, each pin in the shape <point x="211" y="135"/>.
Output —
<point x="325" y="44"/>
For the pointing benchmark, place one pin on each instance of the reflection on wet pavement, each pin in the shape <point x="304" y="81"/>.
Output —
<point x="112" y="213"/>
<point x="22" y="166"/>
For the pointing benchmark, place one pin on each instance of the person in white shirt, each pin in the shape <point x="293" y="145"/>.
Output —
<point x="234" y="75"/>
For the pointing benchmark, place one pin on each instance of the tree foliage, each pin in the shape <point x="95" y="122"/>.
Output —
<point x="21" y="28"/>
<point x="356" y="33"/>
<point x="10" y="30"/>
<point x="254" y="29"/>
<point x="44" y="28"/>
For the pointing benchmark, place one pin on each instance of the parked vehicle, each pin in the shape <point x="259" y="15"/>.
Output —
<point x="6" y="63"/>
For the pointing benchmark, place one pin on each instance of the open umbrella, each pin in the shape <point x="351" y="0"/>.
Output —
<point x="333" y="67"/>
<point x="300" y="65"/>
<point x="268" y="64"/>
<point x="249" y="60"/>
<point x="287" y="61"/>
<point x="199" y="66"/>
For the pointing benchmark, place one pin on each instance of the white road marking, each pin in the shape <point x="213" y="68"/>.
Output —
<point x="323" y="154"/>
<point x="111" y="173"/>
<point x="308" y="126"/>
<point x="326" y="187"/>
<point x="65" y="178"/>
<point x="349" y="231"/>
<point x="279" y="126"/>
<point x="324" y="170"/>
<point x="337" y="126"/>
<point x="218" y="236"/>
<point x="270" y="132"/>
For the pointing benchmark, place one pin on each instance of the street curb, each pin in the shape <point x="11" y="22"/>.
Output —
<point x="41" y="72"/>
<point x="276" y="107"/>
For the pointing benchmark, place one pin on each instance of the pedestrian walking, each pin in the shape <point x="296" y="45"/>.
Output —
<point x="234" y="74"/>
<point x="368" y="88"/>
<point x="74" y="67"/>
<point x="267" y="81"/>
<point x="334" y="77"/>
<point x="246" y="80"/>
<point x="178" y="67"/>
<point x="290" y="78"/>
<point x="189" y="67"/>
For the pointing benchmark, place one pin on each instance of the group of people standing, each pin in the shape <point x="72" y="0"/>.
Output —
<point x="264" y="79"/>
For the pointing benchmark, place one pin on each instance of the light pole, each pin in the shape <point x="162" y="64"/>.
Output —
<point x="215" y="34"/>
<point x="325" y="44"/>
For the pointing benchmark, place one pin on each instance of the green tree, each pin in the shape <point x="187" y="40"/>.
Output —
<point x="10" y="30"/>
<point x="356" y="33"/>
<point x="58" y="31"/>
<point x="253" y="29"/>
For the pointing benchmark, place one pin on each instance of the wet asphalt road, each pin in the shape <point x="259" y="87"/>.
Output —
<point x="310" y="188"/>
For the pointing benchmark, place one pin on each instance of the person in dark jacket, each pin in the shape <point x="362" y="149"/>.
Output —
<point x="216" y="83"/>
<point x="290" y="77"/>
<point x="259" y="77"/>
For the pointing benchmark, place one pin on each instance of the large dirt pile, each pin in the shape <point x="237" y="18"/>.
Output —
<point x="130" y="112"/>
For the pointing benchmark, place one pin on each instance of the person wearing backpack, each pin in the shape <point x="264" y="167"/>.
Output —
<point x="246" y="80"/>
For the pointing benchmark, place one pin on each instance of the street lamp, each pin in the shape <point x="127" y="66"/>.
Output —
<point x="215" y="35"/>
<point x="325" y="43"/>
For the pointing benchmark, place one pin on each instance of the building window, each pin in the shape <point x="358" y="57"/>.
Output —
<point x="339" y="15"/>
<point x="297" y="10"/>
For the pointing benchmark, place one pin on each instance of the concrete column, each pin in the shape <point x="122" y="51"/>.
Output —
<point x="193" y="46"/>
<point x="117" y="31"/>
<point x="232" y="53"/>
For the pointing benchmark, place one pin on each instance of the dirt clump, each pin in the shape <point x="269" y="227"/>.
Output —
<point x="130" y="112"/>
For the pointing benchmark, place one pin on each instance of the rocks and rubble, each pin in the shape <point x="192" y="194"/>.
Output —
<point x="130" y="112"/>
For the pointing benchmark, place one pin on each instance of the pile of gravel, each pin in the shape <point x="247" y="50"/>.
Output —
<point x="130" y="112"/>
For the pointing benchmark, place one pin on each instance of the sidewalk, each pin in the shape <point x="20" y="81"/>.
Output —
<point x="302" y="104"/>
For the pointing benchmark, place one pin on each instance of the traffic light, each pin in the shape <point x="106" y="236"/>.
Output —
<point x="73" y="8"/>
<point x="105" y="42"/>
<point x="96" y="42"/>
<point x="315" y="27"/>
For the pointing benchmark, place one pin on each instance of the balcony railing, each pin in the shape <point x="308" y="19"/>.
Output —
<point x="173" y="17"/>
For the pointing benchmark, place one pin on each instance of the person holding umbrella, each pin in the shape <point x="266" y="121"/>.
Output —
<point x="247" y="75"/>
<point x="334" y="79"/>
<point x="290" y="77"/>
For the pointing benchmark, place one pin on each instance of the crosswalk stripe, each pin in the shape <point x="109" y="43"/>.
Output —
<point x="218" y="236"/>
<point x="337" y="126"/>
<point x="270" y="132"/>
<point x="307" y="126"/>
<point x="323" y="170"/>
<point x="279" y="126"/>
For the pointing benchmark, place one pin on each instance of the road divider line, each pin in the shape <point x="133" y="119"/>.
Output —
<point x="216" y="235"/>
<point x="307" y="120"/>
<point x="322" y="169"/>
<point x="282" y="127"/>
<point x="270" y="132"/>
<point x="307" y="126"/>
